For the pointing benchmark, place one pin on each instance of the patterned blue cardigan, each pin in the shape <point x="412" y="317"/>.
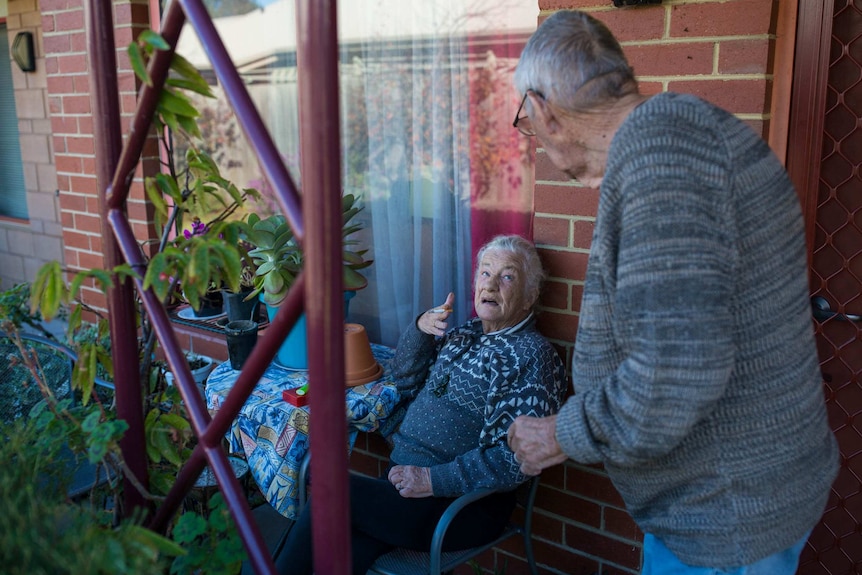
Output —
<point x="464" y="390"/>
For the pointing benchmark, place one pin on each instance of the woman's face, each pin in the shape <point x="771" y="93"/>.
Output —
<point x="500" y="296"/>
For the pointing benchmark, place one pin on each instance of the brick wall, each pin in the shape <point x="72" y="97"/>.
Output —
<point x="721" y="50"/>
<point x="71" y="115"/>
<point x="26" y="245"/>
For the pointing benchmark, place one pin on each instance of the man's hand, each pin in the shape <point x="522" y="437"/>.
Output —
<point x="433" y="321"/>
<point x="534" y="443"/>
<point x="411" y="481"/>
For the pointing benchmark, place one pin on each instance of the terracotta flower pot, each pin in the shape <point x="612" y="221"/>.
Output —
<point x="359" y="363"/>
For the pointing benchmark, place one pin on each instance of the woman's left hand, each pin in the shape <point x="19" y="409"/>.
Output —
<point x="411" y="481"/>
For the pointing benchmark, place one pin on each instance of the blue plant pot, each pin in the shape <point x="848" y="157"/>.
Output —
<point x="293" y="353"/>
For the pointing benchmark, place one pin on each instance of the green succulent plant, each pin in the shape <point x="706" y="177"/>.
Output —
<point x="279" y="257"/>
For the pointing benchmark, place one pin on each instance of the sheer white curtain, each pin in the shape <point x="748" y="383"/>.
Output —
<point x="426" y="111"/>
<point x="421" y="89"/>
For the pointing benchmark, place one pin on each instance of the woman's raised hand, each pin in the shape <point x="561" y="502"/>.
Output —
<point x="433" y="321"/>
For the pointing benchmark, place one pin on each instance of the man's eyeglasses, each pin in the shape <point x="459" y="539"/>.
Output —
<point x="522" y="123"/>
<point x="525" y="127"/>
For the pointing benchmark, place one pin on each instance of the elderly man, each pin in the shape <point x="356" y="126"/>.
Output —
<point x="464" y="388"/>
<point x="695" y="371"/>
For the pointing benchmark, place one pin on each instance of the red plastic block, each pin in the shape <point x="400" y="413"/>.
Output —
<point x="291" y="397"/>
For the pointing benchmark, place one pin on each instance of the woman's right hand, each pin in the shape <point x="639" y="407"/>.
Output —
<point x="433" y="321"/>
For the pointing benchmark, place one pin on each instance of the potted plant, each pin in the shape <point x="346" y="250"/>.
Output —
<point x="279" y="259"/>
<point x="243" y="304"/>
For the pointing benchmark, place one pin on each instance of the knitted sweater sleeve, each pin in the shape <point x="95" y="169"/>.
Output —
<point x="654" y="350"/>
<point x="526" y="379"/>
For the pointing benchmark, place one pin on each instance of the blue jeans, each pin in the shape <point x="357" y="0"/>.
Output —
<point x="659" y="560"/>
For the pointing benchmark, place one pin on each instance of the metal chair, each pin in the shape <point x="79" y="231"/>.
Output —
<point x="19" y="393"/>
<point x="407" y="562"/>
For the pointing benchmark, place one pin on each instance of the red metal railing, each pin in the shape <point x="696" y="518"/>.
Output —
<point x="321" y="209"/>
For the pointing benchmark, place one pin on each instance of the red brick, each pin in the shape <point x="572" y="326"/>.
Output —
<point x="78" y="42"/>
<point x="85" y="125"/>
<point x="50" y="5"/>
<point x="78" y="104"/>
<point x="56" y="43"/>
<point x="68" y="164"/>
<point x="90" y="261"/>
<point x="722" y="18"/>
<point x="555" y="295"/>
<point x="82" y="84"/>
<point x="557" y="326"/>
<point x="570" y="506"/>
<point x="743" y="56"/>
<point x="61" y="85"/>
<point x="688" y="59"/>
<point x="47" y="23"/>
<point x="59" y="144"/>
<point x="73" y="202"/>
<point x="599" y="545"/>
<point x="565" y="264"/>
<point x="80" y="145"/>
<point x="582" y="233"/>
<point x="545" y="170"/>
<point x="620" y="523"/>
<point x="551" y="231"/>
<point x="566" y="199"/>
<point x="83" y="184"/>
<point x="73" y="20"/>
<point x="70" y="257"/>
<point x="554" y="477"/>
<point x="634" y="24"/>
<point x="592" y="485"/>
<point x="88" y="223"/>
<point x="735" y="96"/>
<point x="73" y="239"/>
<point x="547" y="527"/>
<point x="569" y="560"/>
<point x="72" y="64"/>
<point x="650" y="88"/>
<point x="577" y="295"/>
<point x="63" y="124"/>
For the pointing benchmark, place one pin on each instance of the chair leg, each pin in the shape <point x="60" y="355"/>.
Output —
<point x="531" y="559"/>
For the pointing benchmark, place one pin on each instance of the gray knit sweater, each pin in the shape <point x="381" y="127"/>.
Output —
<point x="468" y="388"/>
<point x="696" y="376"/>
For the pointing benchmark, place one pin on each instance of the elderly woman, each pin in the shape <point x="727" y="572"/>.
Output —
<point x="464" y="387"/>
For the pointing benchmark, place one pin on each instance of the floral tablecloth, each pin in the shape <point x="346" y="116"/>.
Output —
<point x="273" y="434"/>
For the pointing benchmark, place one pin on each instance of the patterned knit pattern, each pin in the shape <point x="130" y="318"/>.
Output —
<point x="466" y="389"/>
<point x="695" y="371"/>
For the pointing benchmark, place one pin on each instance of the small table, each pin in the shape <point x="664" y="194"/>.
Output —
<point x="273" y="434"/>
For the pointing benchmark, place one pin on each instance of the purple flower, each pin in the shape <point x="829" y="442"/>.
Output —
<point x="198" y="229"/>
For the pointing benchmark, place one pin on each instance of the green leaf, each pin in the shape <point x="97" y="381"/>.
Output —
<point x="49" y="291"/>
<point x="178" y="104"/>
<point x="139" y="65"/>
<point x="201" y="87"/>
<point x="189" y="527"/>
<point x="154" y="39"/>
<point x="186" y="70"/>
<point x="155" y="196"/>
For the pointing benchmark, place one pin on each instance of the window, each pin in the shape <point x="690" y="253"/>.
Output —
<point x="13" y="200"/>
<point x="426" y="111"/>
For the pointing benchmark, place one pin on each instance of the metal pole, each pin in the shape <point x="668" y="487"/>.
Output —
<point x="317" y="62"/>
<point x="121" y="306"/>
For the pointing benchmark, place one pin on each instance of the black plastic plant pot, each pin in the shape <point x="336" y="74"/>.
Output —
<point x="241" y="338"/>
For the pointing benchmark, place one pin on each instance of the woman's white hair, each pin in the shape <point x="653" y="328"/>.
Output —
<point x="525" y="251"/>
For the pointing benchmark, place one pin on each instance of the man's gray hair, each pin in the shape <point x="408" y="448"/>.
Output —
<point x="525" y="251"/>
<point x="574" y="62"/>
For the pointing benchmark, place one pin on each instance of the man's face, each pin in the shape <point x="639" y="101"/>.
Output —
<point x="499" y="296"/>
